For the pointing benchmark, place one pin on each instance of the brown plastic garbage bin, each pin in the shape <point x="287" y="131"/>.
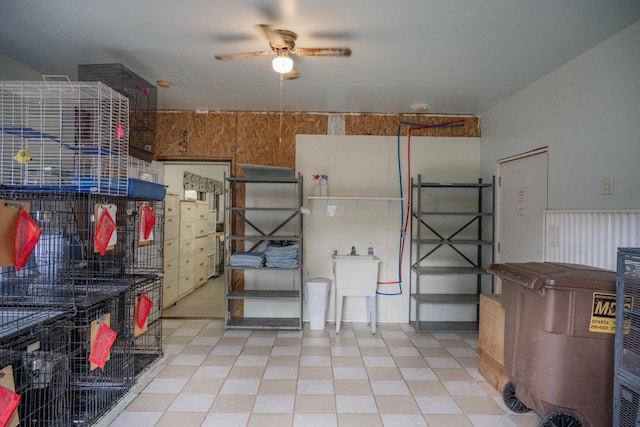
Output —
<point x="559" y="341"/>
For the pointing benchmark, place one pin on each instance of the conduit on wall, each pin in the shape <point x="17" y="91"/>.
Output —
<point x="405" y="215"/>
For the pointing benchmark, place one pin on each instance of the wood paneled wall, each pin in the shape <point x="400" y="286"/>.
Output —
<point x="269" y="138"/>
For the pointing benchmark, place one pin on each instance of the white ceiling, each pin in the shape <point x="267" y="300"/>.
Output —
<point x="462" y="56"/>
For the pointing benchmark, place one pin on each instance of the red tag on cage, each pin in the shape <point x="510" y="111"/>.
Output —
<point x="104" y="230"/>
<point x="27" y="235"/>
<point x="148" y="221"/>
<point x="144" y="307"/>
<point x="8" y="403"/>
<point x="102" y="345"/>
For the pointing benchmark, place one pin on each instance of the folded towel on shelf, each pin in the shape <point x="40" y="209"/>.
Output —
<point x="247" y="259"/>
<point x="282" y="255"/>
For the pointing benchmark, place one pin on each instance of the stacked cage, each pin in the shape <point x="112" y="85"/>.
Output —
<point x="147" y="322"/>
<point x="145" y="247"/>
<point x="108" y="288"/>
<point x="35" y="365"/>
<point x="64" y="162"/>
<point x="41" y="289"/>
<point x="103" y="270"/>
<point x="64" y="135"/>
<point x="627" y="344"/>
<point x="95" y="389"/>
<point x="143" y="100"/>
<point x="145" y="241"/>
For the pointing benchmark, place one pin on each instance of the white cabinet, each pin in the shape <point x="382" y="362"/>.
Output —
<point x="171" y="249"/>
<point x="193" y="261"/>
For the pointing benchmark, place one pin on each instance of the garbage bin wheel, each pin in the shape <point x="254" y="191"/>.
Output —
<point x="560" y="419"/>
<point x="510" y="399"/>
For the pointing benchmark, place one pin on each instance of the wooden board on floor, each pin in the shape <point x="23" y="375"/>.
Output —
<point x="491" y="340"/>
<point x="491" y="328"/>
<point x="493" y="371"/>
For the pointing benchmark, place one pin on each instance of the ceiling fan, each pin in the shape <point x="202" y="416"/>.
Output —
<point x="282" y="43"/>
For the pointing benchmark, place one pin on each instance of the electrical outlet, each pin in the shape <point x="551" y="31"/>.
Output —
<point x="607" y="185"/>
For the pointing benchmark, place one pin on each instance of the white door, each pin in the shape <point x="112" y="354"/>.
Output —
<point x="522" y="200"/>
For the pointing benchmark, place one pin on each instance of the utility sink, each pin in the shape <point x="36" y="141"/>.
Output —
<point x="356" y="275"/>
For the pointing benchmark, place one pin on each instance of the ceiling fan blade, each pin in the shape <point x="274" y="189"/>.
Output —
<point x="293" y="74"/>
<point x="271" y="35"/>
<point x="279" y="39"/>
<point x="241" y="55"/>
<point x="322" y="51"/>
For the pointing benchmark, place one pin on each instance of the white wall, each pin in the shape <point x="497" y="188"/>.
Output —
<point x="367" y="166"/>
<point x="588" y="113"/>
<point x="13" y="70"/>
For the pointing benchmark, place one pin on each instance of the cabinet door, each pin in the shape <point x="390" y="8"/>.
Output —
<point x="187" y="265"/>
<point x="171" y="227"/>
<point x="202" y="261"/>
<point x="186" y="248"/>
<point x="201" y="228"/>
<point x="200" y="276"/>
<point x="171" y="249"/>
<point x="172" y="205"/>
<point x="171" y="270"/>
<point x="186" y="231"/>
<point x="202" y="210"/>
<point x="186" y="283"/>
<point x="169" y="292"/>
<point x="187" y="211"/>
<point x="200" y="246"/>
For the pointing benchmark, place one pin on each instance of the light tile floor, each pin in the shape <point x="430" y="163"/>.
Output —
<point x="212" y="377"/>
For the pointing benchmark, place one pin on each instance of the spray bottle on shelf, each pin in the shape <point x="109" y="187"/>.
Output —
<point x="316" y="186"/>
<point x="324" y="185"/>
<point x="370" y="249"/>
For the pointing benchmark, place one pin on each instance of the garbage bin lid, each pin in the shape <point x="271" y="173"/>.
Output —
<point x="535" y="275"/>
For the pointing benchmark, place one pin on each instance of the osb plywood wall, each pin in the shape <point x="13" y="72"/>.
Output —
<point x="269" y="138"/>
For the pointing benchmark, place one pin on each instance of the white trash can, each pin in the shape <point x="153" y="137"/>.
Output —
<point x="316" y="294"/>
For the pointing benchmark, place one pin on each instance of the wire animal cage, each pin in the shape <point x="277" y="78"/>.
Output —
<point x="40" y="290"/>
<point x="145" y="244"/>
<point x="143" y="102"/>
<point x="105" y="259"/>
<point x="626" y="390"/>
<point x="143" y="170"/>
<point x="95" y="390"/>
<point x="39" y="364"/>
<point x="67" y="265"/>
<point x="62" y="134"/>
<point x="147" y="341"/>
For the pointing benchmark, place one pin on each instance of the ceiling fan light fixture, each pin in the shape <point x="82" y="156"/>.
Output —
<point x="282" y="64"/>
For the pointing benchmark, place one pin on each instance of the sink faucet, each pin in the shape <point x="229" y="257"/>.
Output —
<point x="353" y="250"/>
